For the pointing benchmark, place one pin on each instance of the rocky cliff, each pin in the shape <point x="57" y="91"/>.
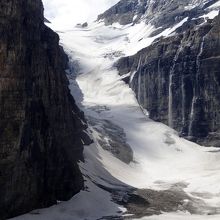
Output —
<point x="41" y="128"/>
<point x="177" y="79"/>
<point x="160" y="13"/>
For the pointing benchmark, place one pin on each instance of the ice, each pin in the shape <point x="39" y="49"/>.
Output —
<point x="211" y="14"/>
<point x="217" y="4"/>
<point x="161" y="157"/>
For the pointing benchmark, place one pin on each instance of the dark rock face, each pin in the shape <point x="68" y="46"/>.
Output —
<point x="159" y="13"/>
<point x="116" y="139"/>
<point x="41" y="128"/>
<point x="177" y="79"/>
<point x="123" y="12"/>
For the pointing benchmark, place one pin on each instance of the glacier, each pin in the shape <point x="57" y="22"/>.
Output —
<point x="161" y="159"/>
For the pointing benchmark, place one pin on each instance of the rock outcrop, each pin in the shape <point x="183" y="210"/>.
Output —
<point x="41" y="128"/>
<point x="177" y="79"/>
<point x="160" y="13"/>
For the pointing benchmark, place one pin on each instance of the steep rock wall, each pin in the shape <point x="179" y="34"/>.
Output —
<point x="177" y="79"/>
<point x="162" y="14"/>
<point x="41" y="128"/>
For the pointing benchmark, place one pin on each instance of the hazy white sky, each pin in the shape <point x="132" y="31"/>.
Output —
<point x="66" y="13"/>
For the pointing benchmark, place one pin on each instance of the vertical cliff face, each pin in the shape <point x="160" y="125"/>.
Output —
<point x="177" y="79"/>
<point x="160" y="13"/>
<point x="41" y="129"/>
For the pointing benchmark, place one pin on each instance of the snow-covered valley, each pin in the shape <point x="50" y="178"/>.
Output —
<point x="133" y="159"/>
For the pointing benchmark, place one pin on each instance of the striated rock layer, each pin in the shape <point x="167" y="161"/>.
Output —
<point x="160" y="13"/>
<point x="177" y="79"/>
<point x="41" y="128"/>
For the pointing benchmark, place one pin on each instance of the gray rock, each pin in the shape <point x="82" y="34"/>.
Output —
<point x="160" y="13"/>
<point x="41" y="128"/>
<point x="84" y="25"/>
<point x="178" y="81"/>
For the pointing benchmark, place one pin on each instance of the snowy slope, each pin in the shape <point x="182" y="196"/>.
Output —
<point x="160" y="13"/>
<point x="161" y="159"/>
<point x="67" y="13"/>
<point x="101" y="86"/>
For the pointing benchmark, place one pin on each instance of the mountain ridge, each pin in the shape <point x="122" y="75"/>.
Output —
<point x="195" y="123"/>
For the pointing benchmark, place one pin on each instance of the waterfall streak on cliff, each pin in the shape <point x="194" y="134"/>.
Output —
<point x="139" y="80"/>
<point x="139" y="87"/>
<point x="170" y="112"/>
<point x="170" y="102"/>
<point x="134" y="73"/>
<point x="145" y="91"/>
<point x="183" y="100"/>
<point x="198" y="65"/>
<point x="159" y="78"/>
<point x="195" y="90"/>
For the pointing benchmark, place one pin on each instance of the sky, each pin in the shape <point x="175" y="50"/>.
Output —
<point x="65" y="14"/>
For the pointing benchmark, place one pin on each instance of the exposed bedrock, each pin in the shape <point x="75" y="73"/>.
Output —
<point x="41" y="128"/>
<point x="177" y="79"/>
<point x="162" y="14"/>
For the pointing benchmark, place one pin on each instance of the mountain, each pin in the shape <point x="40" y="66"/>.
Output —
<point x="176" y="78"/>
<point x="41" y="128"/>
<point x="141" y="60"/>
<point x="157" y="12"/>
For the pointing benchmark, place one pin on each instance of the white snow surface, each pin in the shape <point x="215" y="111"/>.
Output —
<point x="211" y="14"/>
<point x="161" y="158"/>
<point x="217" y="4"/>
